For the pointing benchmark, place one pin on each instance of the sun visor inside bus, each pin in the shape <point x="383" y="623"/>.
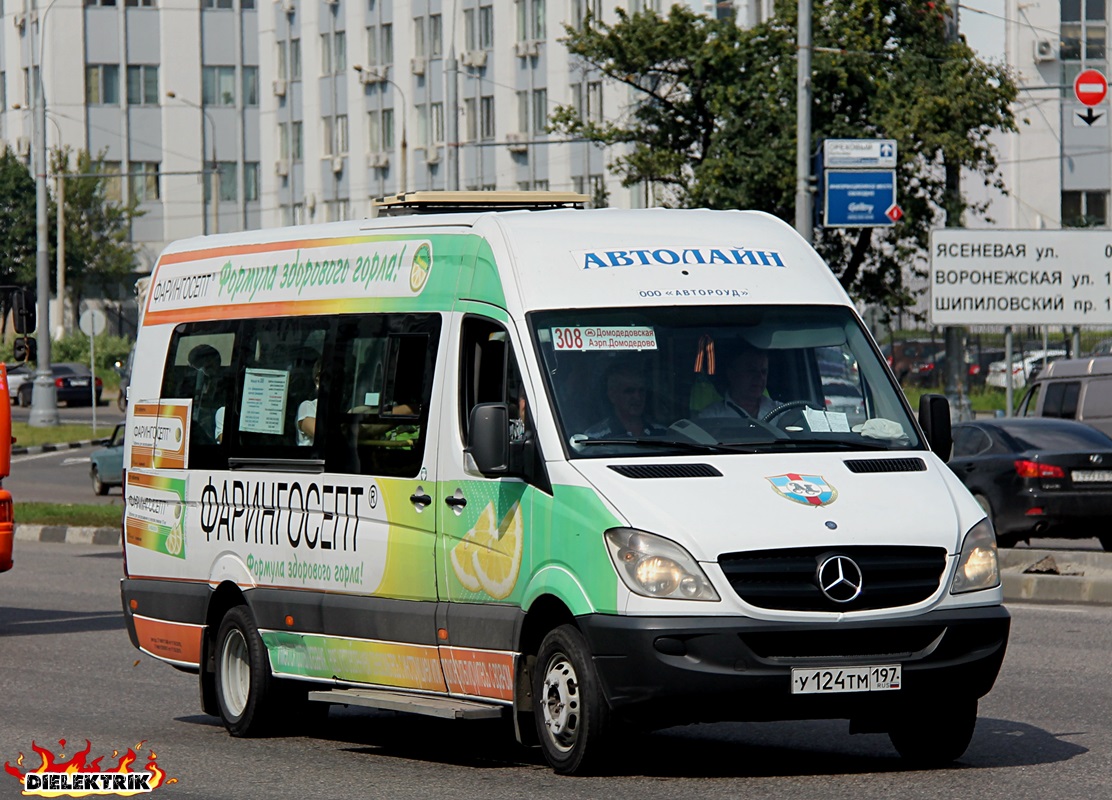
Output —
<point x="792" y="337"/>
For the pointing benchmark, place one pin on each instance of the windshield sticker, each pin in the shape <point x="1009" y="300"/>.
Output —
<point x="264" y="401"/>
<point x="810" y="490"/>
<point x="662" y="257"/>
<point x="633" y="338"/>
<point x="826" y="421"/>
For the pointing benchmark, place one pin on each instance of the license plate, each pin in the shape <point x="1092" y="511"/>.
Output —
<point x="832" y="680"/>
<point x="1092" y="476"/>
<point x="80" y="382"/>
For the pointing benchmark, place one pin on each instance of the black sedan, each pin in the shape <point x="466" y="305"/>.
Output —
<point x="73" y="384"/>
<point x="1038" y="477"/>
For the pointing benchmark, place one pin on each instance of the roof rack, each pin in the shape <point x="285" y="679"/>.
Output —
<point x="455" y="202"/>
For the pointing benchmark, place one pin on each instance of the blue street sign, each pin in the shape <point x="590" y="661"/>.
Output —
<point x="859" y="198"/>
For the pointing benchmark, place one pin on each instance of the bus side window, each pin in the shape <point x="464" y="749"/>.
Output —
<point x="198" y="369"/>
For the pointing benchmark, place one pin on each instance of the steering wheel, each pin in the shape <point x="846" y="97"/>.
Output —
<point x="794" y="404"/>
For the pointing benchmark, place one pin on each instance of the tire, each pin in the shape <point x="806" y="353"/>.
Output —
<point x="24" y="395"/>
<point x="572" y="717"/>
<point x="99" y="486"/>
<point x="245" y="691"/>
<point x="121" y="402"/>
<point x="935" y="734"/>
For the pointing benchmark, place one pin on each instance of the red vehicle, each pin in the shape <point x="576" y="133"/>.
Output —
<point x="7" y="522"/>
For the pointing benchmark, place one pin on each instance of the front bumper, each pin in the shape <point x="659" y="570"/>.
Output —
<point x="1066" y="513"/>
<point x="673" y="670"/>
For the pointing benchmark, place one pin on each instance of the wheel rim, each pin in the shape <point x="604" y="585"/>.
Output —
<point x="560" y="702"/>
<point x="235" y="672"/>
<point x="96" y="480"/>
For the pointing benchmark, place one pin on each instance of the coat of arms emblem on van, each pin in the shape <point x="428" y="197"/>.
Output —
<point x="810" y="490"/>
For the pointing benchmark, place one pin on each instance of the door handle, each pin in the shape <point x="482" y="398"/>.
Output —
<point x="420" y="499"/>
<point x="455" y="502"/>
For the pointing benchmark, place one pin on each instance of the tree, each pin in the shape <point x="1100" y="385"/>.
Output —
<point x="99" y="252"/>
<point x="17" y="221"/>
<point x="713" y="122"/>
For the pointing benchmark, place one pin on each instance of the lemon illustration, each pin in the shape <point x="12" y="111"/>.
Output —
<point x="463" y="553"/>
<point x="419" y="269"/>
<point x="175" y="539"/>
<point x="498" y="563"/>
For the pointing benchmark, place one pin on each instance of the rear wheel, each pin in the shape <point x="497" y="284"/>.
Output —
<point x="935" y="734"/>
<point x="245" y="691"/>
<point x="572" y="717"/>
<point x="25" y="395"/>
<point x="99" y="486"/>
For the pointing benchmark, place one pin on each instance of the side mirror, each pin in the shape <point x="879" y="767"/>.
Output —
<point x="488" y="440"/>
<point x="23" y="311"/>
<point x="25" y="348"/>
<point x="934" y="416"/>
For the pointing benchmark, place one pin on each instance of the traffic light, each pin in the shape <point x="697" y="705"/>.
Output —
<point x="25" y="348"/>
<point x="23" y="311"/>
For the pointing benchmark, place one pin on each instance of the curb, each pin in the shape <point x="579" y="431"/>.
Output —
<point x="67" y="534"/>
<point x="1028" y="575"/>
<point x="51" y="448"/>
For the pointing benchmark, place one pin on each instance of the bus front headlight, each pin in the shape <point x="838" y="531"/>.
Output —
<point x="653" y="566"/>
<point x="978" y="567"/>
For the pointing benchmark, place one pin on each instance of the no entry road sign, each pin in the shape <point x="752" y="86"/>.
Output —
<point x="1090" y="86"/>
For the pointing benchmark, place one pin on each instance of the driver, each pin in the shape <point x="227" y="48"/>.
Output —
<point x="746" y="378"/>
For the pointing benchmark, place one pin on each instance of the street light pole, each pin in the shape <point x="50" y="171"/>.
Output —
<point x="405" y="155"/>
<point x="44" y="398"/>
<point x="214" y="184"/>
<point x="804" y="216"/>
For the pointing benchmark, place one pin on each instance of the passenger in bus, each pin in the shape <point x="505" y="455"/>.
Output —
<point x="627" y="395"/>
<point x="746" y="378"/>
<point x="307" y="412"/>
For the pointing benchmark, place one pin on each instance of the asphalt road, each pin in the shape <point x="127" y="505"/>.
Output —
<point x="59" y="477"/>
<point x="67" y="671"/>
<point x="107" y="414"/>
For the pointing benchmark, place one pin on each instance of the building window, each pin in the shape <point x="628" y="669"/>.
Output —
<point x="144" y="188"/>
<point x="296" y="140"/>
<point x="436" y="35"/>
<point x="539" y="24"/>
<point x="136" y="3"/>
<point x="341" y="135"/>
<point x="387" y="129"/>
<point x="486" y="27"/>
<point x="419" y="37"/>
<point x="327" y="137"/>
<point x="250" y="86"/>
<point x="576" y="92"/>
<point x="1084" y="209"/>
<point x="1084" y="38"/>
<point x="142" y="85"/>
<point x="594" y="101"/>
<point x="283" y="56"/>
<point x="471" y="120"/>
<point x="470" y="32"/>
<point x="326" y="54"/>
<point x="523" y="110"/>
<point x="339" y="51"/>
<point x="486" y="110"/>
<point x="226" y="181"/>
<point x="422" y="126"/>
<point x="540" y="111"/>
<point x="216" y="4"/>
<point x="283" y="140"/>
<point x="295" y="59"/>
<point x="218" y="86"/>
<point x="437" y="110"/>
<point x="113" y="185"/>
<point x="387" y="44"/>
<point x="251" y="181"/>
<point x="102" y="84"/>
<point x="247" y="5"/>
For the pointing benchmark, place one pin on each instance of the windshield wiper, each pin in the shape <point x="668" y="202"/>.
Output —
<point x="696" y="447"/>
<point x="834" y="444"/>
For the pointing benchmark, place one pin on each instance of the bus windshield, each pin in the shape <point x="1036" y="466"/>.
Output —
<point x="646" y="381"/>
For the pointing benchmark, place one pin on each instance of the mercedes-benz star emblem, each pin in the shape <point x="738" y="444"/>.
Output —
<point x="840" y="579"/>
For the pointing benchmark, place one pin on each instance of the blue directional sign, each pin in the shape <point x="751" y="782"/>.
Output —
<point x="861" y="198"/>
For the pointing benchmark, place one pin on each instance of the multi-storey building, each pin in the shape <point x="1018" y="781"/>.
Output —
<point x="224" y="115"/>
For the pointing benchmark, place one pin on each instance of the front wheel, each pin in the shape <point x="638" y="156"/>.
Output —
<point x="935" y="734"/>
<point x="245" y="690"/>
<point x="573" y="719"/>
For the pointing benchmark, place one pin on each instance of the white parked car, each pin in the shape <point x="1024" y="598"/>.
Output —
<point x="1023" y="367"/>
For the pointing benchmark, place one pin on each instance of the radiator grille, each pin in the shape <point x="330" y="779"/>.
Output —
<point x="786" y="579"/>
